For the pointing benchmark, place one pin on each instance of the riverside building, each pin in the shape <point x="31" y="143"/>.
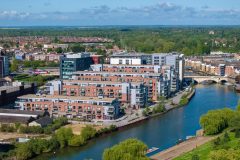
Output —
<point x="133" y="93"/>
<point x="157" y="83"/>
<point x="157" y="59"/>
<point x="86" y="108"/>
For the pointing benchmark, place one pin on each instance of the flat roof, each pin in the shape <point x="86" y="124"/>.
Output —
<point x="30" y="96"/>
<point x="13" y="119"/>
<point x="97" y="72"/>
<point x="129" y="54"/>
<point x="23" y="112"/>
<point x="132" y="65"/>
<point x="101" y="82"/>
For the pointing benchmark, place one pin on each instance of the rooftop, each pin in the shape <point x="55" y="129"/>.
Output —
<point x="30" y="96"/>
<point x="132" y="65"/>
<point x="15" y="111"/>
<point x="12" y="119"/>
<point x="98" y="82"/>
<point x="114" y="73"/>
<point x="44" y="121"/>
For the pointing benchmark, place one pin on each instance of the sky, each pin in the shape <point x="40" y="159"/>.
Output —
<point x="118" y="12"/>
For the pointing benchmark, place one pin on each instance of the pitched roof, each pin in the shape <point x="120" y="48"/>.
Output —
<point x="44" y="121"/>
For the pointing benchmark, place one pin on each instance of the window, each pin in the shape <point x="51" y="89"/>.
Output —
<point x="120" y="61"/>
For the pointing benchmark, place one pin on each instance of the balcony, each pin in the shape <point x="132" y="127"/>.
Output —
<point x="110" y="110"/>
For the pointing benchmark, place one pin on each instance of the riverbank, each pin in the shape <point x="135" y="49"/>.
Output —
<point x="181" y="148"/>
<point x="160" y="131"/>
<point x="168" y="106"/>
<point x="138" y="117"/>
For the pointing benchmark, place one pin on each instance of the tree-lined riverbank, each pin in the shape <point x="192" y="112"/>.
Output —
<point x="161" y="131"/>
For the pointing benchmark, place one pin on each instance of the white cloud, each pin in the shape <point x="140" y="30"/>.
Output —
<point x="161" y="13"/>
<point x="13" y="15"/>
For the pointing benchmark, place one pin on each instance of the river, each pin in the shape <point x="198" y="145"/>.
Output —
<point x="162" y="131"/>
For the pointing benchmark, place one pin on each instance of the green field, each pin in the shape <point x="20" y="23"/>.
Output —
<point x="204" y="151"/>
<point x="40" y="80"/>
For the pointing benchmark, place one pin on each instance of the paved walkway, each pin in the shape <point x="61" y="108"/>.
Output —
<point x="181" y="148"/>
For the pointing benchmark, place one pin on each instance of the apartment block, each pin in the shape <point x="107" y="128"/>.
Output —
<point x="86" y="108"/>
<point x="157" y="59"/>
<point x="168" y="73"/>
<point x="220" y="69"/>
<point x="151" y="80"/>
<point x="127" y="68"/>
<point x="134" y="93"/>
<point x="130" y="59"/>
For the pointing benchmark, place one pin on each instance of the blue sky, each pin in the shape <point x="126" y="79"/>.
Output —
<point x="119" y="12"/>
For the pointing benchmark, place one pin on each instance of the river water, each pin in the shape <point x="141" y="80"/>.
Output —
<point x="162" y="131"/>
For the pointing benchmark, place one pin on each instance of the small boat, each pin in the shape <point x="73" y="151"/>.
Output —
<point x="150" y="150"/>
<point x="180" y="141"/>
<point x="190" y="137"/>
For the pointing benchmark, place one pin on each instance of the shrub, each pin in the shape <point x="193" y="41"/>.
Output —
<point x="76" y="141"/>
<point x="195" y="157"/>
<point x="128" y="149"/>
<point x="31" y="129"/>
<point x="63" y="135"/>
<point x="237" y="133"/>
<point x="88" y="132"/>
<point x="7" y="128"/>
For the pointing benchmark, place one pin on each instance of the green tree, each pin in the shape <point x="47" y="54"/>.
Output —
<point x="215" y="121"/>
<point x="49" y="50"/>
<point x="88" y="132"/>
<point x="14" y="65"/>
<point x="6" y="46"/>
<point x="38" y="145"/>
<point x="127" y="150"/>
<point x="77" y="48"/>
<point x="76" y="141"/>
<point x="223" y="154"/>
<point x="63" y="135"/>
<point x="235" y="121"/>
<point x="24" y="151"/>
<point x="53" y="144"/>
<point x="59" y="50"/>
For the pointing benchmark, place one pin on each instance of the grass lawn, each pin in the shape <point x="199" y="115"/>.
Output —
<point x="77" y="128"/>
<point x="33" y="78"/>
<point x="204" y="150"/>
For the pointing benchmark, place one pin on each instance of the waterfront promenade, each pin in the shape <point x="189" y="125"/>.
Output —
<point x="137" y="115"/>
<point x="181" y="148"/>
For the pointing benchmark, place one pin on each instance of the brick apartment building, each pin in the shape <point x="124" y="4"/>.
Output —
<point x="133" y="93"/>
<point x="87" y="108"/>
<point x="157" y="84"/>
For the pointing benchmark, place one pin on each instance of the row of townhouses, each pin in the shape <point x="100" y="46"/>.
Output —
<point x="213" y="69"/>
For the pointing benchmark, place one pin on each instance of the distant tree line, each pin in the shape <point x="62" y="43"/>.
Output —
<point x="189" y="40"/>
